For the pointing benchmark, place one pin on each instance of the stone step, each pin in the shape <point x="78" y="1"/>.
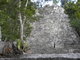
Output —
<point x="68" y="56"/>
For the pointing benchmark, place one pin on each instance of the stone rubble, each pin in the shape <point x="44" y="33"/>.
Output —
<point x="53" y="33"/>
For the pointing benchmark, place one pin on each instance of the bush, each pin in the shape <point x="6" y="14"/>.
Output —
<point x="75" y="23"/>
<point x="73" y="11"/>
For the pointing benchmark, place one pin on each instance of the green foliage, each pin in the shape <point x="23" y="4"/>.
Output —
<point x="73" y="11"/>
<point x="64" y="2"/>
<point x="78" y="0"/>
<point x="28" y="28"/>
<point x="9" y="18"/>
<point x="19" y="44"/>
<point x="23" y="46"/>
<point x="75" y="23"/>
<point x="10" y="23"/>
<point x="55" y="1"/>
<point x="70" y="9"/>
<point x="29" y="11"/>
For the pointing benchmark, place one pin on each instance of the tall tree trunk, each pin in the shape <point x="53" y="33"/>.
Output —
<point x="22" y="21"/>
<point x="22" y="31"/>
<point x="21" y="27"/>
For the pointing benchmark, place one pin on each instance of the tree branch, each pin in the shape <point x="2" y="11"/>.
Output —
<point x="26" y="4"/>
<point x="25" y="9"/>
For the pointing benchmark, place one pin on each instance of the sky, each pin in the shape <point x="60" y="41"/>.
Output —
<point x="59" y="3"/>
<point x="36" y="0"/>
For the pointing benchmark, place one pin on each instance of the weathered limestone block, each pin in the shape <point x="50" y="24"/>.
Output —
<point x="2" y="44"/>
<point x="9" y="49"/>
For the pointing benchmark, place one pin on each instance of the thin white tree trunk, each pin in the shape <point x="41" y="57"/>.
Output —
<point x="26" y="4"/>
<point x="22" y="32"/>
<point x="22" y="21"/>
<point x="21" y="26"/>
<point x="25" y="9"/>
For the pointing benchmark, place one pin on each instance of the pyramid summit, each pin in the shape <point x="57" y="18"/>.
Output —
<point x="42" y="3"/>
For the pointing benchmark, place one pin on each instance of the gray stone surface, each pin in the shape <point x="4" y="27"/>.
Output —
<point x="2" y="44"/>
<point x="68" y="56"/>
<point x="53" y="33"/>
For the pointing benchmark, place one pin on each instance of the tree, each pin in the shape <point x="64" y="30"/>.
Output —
<point x="8" y="21"/>
<point x="15" y="19"/>
<point x="64" y="2"/>
<point x="73" y="11"/>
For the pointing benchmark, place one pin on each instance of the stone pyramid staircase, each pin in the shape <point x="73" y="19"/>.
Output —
<point x="53" y="33"/>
